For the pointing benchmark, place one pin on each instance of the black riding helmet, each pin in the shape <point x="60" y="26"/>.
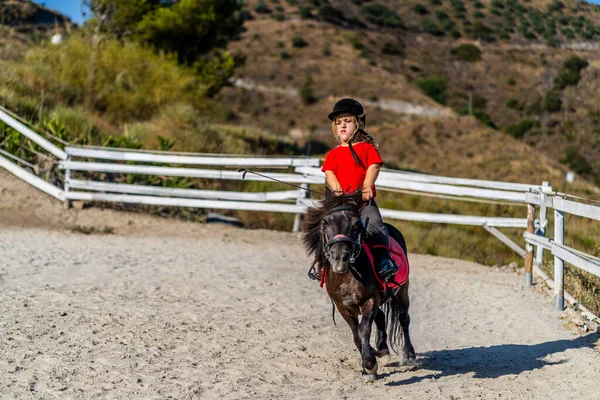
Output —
<point x="349" y="106"/>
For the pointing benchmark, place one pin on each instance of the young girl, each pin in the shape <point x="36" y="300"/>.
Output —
<point x="355" y="164"/>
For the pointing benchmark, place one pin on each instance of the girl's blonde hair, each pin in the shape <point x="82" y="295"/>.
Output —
<point x="359" y="135"/>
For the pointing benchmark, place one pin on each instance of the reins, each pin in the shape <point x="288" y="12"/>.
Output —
<point x="245" y="171"/>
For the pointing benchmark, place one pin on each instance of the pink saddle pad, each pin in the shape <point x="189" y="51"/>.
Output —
<point x="401" y="261"/>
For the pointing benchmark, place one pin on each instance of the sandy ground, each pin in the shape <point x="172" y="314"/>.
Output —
<point x="165" y="309"/>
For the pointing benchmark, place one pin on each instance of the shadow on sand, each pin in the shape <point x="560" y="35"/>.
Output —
<point x="493" y="361"/>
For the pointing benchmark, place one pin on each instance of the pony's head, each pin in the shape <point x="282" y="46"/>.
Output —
<point x="333" y="231"/>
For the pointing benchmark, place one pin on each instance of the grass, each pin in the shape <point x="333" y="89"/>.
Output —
<point x="584" y="235"/>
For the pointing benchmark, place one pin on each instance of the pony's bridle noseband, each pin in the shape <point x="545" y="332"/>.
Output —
<point x="356" y="244"/>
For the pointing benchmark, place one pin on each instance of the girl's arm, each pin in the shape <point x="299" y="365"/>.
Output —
<point x="332" y="182"/>
<point x="370" y="178"/>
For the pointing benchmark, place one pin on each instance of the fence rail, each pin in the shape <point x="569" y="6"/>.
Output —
<point x="138" y="156"/>
<point x="307" y="172"/>
<point x="396" y="180"/>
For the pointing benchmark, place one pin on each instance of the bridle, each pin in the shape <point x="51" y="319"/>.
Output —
<point x="339" y="238"/>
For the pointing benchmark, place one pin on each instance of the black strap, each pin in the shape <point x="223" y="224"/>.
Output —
<point x="358" y="160"/>
<point x="340" y="208"/>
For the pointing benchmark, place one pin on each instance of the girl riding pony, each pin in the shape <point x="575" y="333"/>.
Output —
<point x="354" y="165"/>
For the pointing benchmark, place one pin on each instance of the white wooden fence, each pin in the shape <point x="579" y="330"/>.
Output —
<point x="306" y="172"/>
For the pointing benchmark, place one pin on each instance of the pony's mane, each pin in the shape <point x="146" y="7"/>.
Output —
<point x="311" y="225"/>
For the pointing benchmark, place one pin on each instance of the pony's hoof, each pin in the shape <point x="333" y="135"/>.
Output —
<point x="369" y="377"/>
<point x="371" y="371"/>
<point x="409" y="361"/>
<point x="384" y="359"/>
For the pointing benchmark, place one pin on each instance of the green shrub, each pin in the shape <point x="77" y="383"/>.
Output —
<point x="434" y="87"/>
<point x="430" y="27"/>
<point x="420" y="9"/>
<point x="467" y="53"/>
<point x="512" y="103"/>
<point x="570" y="72"/>
<point x="577" y="162"/>
<point x="329" y="13"/>
<point x="484" y="118"/>
<point x="298" y="42"/>
<point x="458" y="6"/>
<point x="305" y="12"/>
<point x="392" y="49"/>
<point x="519" y="130"/>
<point x="553" y="42"/>
<point x="380" y="15"/>
<point x="552" y="101"/>
<point x="129" y="82"/>
<point x="308" y="95"/>
<point x="284" y="55"/>
<point x="262" y="8"/>
<point x="442" y="16"/>
<point x="555" y="6"/>
<point x="245" y="15"/>
<point x="504" y="35"/>
<point x="568" y="33"/>
<point x="482" y="32"/>
<point x="77" y="124"/>
<point x="497" y="4"/>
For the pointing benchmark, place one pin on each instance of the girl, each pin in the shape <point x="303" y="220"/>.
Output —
<point x="355" y="164"/>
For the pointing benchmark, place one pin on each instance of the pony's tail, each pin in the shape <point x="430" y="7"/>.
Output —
<point x="393" y="311"/>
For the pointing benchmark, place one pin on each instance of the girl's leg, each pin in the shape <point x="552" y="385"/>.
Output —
<point x="377" y="234"/>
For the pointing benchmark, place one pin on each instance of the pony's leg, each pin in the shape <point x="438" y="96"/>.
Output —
<point x="382" y="347"/>
<point x="353" y="323"/>
<point x="369" y="311"/>
<point x="408" y="350"/>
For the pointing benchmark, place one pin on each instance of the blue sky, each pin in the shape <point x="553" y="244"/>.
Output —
<point x="70" y="8"/>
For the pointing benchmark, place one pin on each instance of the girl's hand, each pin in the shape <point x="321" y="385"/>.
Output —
<point x="337" y="190"/>
<point x="367" y="193"/>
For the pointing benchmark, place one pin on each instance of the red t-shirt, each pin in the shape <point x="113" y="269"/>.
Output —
<point x="349" y="173"/>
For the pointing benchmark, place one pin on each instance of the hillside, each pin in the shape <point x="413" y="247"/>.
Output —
<point x="414" y="65"/>
<point x="510" y="58"/>
<point x="23" y="23"/>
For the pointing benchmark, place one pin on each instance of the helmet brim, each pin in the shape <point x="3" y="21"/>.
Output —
<point x="332" y="115"/>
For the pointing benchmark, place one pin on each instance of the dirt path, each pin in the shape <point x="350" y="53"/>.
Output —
<point x="165" y="309"/>
<point x="396" y="106"/>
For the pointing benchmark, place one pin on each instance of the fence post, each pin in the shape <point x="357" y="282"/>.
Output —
<point x="559" y="264"/>
<point x="301" y="196"/>
<point x="529" y="247"/>
<point x="67" y="186"/>
<point x="543" y="223"/>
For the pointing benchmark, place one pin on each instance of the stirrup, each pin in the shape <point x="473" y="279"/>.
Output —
<point x="313" y="273"/>
<point x="387" y="268"/>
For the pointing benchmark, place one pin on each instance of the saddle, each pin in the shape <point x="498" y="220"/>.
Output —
<point x="397" y="254"/>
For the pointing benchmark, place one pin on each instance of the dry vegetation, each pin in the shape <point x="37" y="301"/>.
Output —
<point x="313" y="56"/>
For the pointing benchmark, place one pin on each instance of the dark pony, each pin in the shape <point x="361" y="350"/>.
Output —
<point x="333" y="233"/>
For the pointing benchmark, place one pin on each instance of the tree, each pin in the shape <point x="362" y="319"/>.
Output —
<point x="119" y="17"/>
<point x="188" y="28"/>
<point x="191" y="28"/>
